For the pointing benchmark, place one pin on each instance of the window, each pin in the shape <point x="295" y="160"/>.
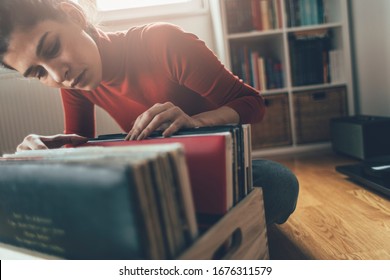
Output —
<point x="104" y="5"/>
<point x="111" y="10"/>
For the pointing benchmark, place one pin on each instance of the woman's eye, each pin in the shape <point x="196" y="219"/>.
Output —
<point x="53" y="50"/>
<point x="40" y="73"/>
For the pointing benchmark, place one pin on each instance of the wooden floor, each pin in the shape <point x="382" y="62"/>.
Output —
<point x="335" y="218"/>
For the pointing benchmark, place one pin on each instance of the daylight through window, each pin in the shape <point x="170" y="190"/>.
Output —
<point x="107" y="5"/>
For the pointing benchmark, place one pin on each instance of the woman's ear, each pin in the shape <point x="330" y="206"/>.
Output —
<point x="75" y="13"/>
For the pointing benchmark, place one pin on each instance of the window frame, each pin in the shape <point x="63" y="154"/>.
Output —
<point x="192" y="7"/>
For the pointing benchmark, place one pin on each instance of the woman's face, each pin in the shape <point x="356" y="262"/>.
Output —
<point x="59" y="54"/>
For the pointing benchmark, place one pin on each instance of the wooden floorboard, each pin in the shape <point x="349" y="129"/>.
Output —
<point x="335" y="218"/>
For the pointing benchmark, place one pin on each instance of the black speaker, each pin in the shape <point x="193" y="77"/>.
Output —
<point x="361" y="137"/>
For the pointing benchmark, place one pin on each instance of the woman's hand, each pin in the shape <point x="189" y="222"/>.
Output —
<point x="39" y="142"/>
<point x="166" y="117"/>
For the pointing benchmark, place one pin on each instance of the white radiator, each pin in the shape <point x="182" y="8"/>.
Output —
<point x="27" y="107"/>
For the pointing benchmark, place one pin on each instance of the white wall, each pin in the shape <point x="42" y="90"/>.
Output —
<point x="371" y="43"/>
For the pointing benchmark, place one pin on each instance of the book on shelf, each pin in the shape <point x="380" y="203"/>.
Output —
<point x="217" y="164"/>
<point x="98" y="203"/>
<point x="262" y="72"/>
<point x="239" y="16"/>
<point x="309" y="52"/>
<point x="336" y="65"/>
<point x="252" y="15"/>
<point x="264" y="15"/>
<point x="305" y="12"/>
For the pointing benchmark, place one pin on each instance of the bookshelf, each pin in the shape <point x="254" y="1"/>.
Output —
<point x="297" y="53"/>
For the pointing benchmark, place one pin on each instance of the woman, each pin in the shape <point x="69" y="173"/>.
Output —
<point x="150" y="77"/>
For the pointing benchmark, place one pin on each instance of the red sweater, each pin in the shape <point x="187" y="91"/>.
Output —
<point x="153" y="64"/>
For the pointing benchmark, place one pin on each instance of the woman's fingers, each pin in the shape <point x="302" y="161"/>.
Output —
<point x="59" y="140"/>
<point x="31" y="142"/>
<point x="145" y="118"/>
<point x="39" y="142"/>
<point x="163" y="118"/>
<point x="166" y="116"/>
<point x="175" y="126"/>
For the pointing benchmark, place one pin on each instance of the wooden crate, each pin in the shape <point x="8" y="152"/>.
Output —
<point x="240" y="235"/>
<point x="274" y="129"/>
<point x="313" y="111"/>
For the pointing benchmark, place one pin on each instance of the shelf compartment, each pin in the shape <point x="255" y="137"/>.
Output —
<point x="311" y="12"/>
<point x="259" y="61"/>
<point x="274" y="130"/>
<point x="249" y="15"/>
<point x="313" y="111"/>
